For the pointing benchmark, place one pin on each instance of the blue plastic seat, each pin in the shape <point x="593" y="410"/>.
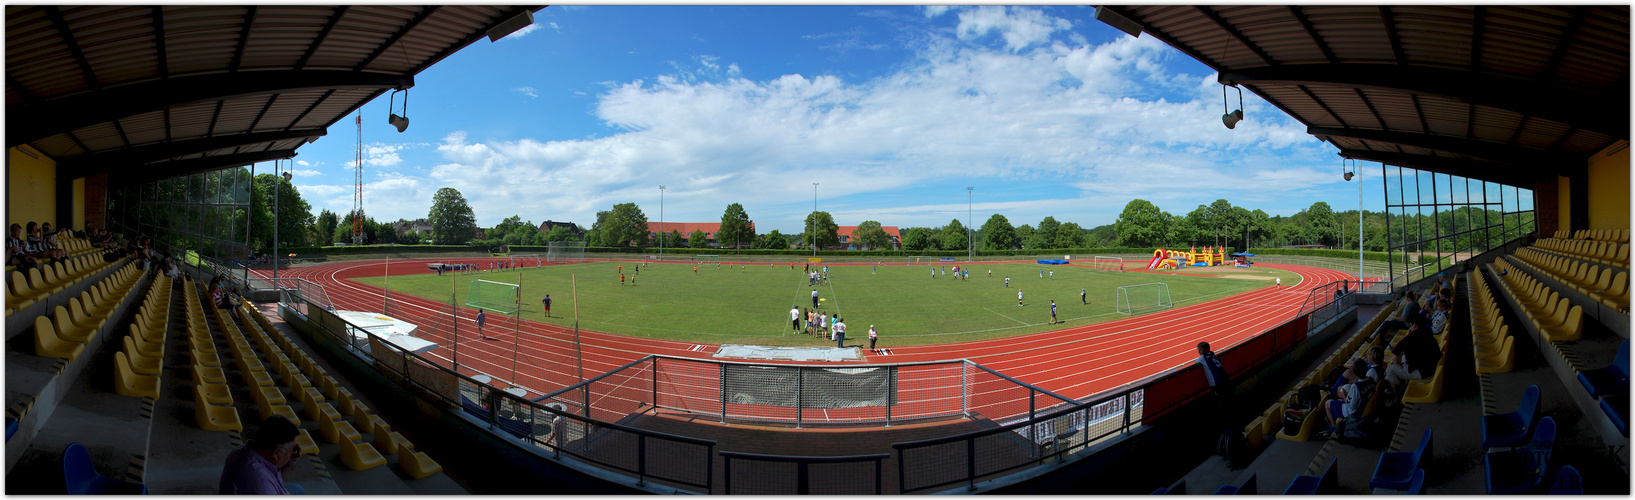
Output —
<point x="1323" y="484"/>
<point x="82" y="478"/>
<point x="11" y="428"/>
<point x="1521" y="469"/>
<point x="1514" y="428"/>
<point x="1617" y="407"/>
<point x="1417" y="486"/>
<point x="1248" y="488"/>
<point x="1612" y="379"/>
<point x="1395" y="470"/>
<point x="1567" y="482"/>
<point x="1179" y="488"/>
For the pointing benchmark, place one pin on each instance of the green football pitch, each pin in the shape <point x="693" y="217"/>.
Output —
<point x="750" y="305"/>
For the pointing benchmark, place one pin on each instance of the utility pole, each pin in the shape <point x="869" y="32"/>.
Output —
<point x="813" y="230"/>
<point x="970" y="235"/>
<point x="661" y="223"/>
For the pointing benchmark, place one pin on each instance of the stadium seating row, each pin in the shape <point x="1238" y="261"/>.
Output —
<point x="1599" y="252"/>
<point x="1554" y="317"/>
<point x="321" y="397"/>
<point x="1491" y="342"/>
<point x="65" y="333"/>
<point x="1616" y="235"/>
<point x="1607" y="285"/>
<point x="35" y="285"/>
<point x="1269" y="424"/>
<point x="138" y="366"/>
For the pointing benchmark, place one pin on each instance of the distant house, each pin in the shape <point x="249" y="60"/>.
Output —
<point x="547" y="226"/>
<point x="418" y="225"/>
<point x="893" y="236"/>
<point x="482" y="234"/>
<point x="687" y="228"/>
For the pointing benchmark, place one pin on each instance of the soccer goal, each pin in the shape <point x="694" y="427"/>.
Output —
<point x="493" y="296"/>
<point x="1140" y="299"/>
<point x="565" y="252"/>
<point x="922" y="259"/>
<point x="707" y="259"/>
<point x="531" y="259"/>
<point x="1104" y="263"/>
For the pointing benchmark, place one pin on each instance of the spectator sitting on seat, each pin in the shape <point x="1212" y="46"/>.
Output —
<point x="170" y="268"/>
<point x="1439" y="319"/>
<point x="259" y="466"/>
<point x="1417" y="355"/>
<point x="17" y="254"/>
<point x="1376" y="363"/>
<point x="50" y="238"/>
<point x="222" y="299"/>
<point x="1347" y="398"/>
<point x="36" y="243"/>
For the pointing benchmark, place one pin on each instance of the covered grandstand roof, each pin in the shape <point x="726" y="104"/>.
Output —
<point x="157" y="91"/>
<point x="1486" y="92"/>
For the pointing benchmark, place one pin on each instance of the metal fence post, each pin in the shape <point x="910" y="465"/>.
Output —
<point x="970" y="462"/>
<point x="726" y="468"/>
<point x="641" y="459"/>
<point x="1031" y="394"/>
<point x="1126" y="398"/>
<point x="964" y="390"/>
<point x="722" y="381"/>
<point x="584" y="399"/>
<point x="802" y="487"/>
<point x="891" y="393"/>
<point x="800" y="403"/>
<point x="877" y="486"/>
<point x="655" y="384"/>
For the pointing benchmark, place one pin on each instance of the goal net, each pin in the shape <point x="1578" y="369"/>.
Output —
<point x="531" y="259"/>
<point x="1104" y="263"/>
<point x="708" y="259"/>
<point x="565" y="252"/>
<point x="922" y="259"/>
<point x="1140" y="299"/>
<point x="492" y="296"/>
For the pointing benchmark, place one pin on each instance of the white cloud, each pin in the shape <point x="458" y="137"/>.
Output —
<point x="307" y="173"/>
<point x="527" y="91"/>
<point x="302" y="163"/>
<point x="1020" y="27"/>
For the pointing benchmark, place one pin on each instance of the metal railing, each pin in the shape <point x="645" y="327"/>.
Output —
<point x="758" y="474"/>
<point x="730" y="391"/>
<point x="679" y="461"/>
<point x="1036" y="440"/>
<point x="1369" y="269"/>
<point x="1329" y="301"/>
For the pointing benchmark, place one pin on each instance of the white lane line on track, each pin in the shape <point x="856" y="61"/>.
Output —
<point x="1002" y="315"/>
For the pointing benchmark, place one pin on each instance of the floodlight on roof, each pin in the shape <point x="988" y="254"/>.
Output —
<point x="401" y="122"/>
<point x="511" y="25"/>
<point x="1231" y="118"/>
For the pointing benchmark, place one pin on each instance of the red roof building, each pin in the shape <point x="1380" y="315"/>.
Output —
<point x="687" y="228"/>
<point x="892" y="235"/>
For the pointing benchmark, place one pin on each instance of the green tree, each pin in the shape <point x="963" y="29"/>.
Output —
<point x="1069" y="235"/>
<point x="823" y="224"/>
<point x="623" y="226"/>
<point x="736" y="227"/>
<point x="1324" y="226"/>
<point x="917" y="238"/>
<point x="1220" y="214"/>
<point x="327" y="221"/>
<point x="410" y="237"/>
<point x="1259" y="227"/>
<point x="1046" y="232"/>
<point x="294" y="214"/>
<point x="452" y="220"/>
<point x="508" y="225"/>
<point x="698" y="239"/>
<point x="954" y="236"/>
<point x="998" y="234"/>
<point x="593" y="238"/>
<point x="1141" y="224"/>
<point x="675" y="239"/>
<point x="559" y="233"/>
<point x="869" y="236"/>
<point x="775" y="241"/>
<point x="1029" y="237"/>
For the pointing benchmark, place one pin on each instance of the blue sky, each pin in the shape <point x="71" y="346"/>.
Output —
<point x="893" y="110"/>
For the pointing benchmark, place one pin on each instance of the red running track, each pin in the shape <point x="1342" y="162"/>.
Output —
<point x="1075" y="362"/>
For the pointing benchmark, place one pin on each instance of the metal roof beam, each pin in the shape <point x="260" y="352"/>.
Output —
<point x="418" y="18"/>
<point x="1230" y="30"/>
<point x="92" y="164"/>
<point x="69" y="113"/>
<point x="1300" y="16"/>
<point x="1483" y="171"/>
<point x="1590" y="112"/>
<point x="55" y="13"/>
<point x="166" y="170"/>
<point x="1491" y="151"/>
<point x="322" y="35"/>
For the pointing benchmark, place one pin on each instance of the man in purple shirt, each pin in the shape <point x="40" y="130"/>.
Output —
<point x="258" y="467"/>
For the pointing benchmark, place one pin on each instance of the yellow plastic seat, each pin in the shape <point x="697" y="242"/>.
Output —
<point x="129" y="383"/>
<point x="208" y="374"/>
<point x="214" y="418"/>
<point x="1426" y="390"/>
<point x="204" y="346"/>
<point x="388" y="441"/>
<point x="295" y="380"/>
<point x="21" y="289"/>
<point x="310" y="401"/>
<point x="257" y="378"/>
<point x="1500" y="363"/>
<point x="271" y="395"/>
<point x="336" y="431"/>
<point x="83" y="319"/>
<point x="204" y="358"/>
<point x="48" y="344"/>
<point x="326" y="385"/>
<point x="1254" y="434"/>
<point x="371" y="424"/>
<point x="217" y="394"/>
<point x="1488" y="346"/>
<point x="1307" y="426"/>
<point x="67" y="330"/>
<point x="360" y="457"/>
<point x="308" y="446"/>
<point x="1570" y="329"/>
<point x="417" y="465"/>
<point x="268" y="410"/>
<point x="345" y="402"/>
<point x="142" y="364"/>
